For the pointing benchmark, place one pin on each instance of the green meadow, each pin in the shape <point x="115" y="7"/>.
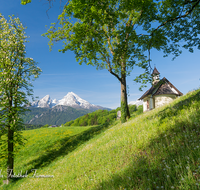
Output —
<point x="159" y="149"/>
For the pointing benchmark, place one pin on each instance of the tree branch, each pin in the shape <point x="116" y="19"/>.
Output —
<point x="176" y="18"/>
<point x="182" y="16"/>
<point x="110" y="68"/>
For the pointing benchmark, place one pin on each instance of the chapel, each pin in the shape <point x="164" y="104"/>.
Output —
<point x="161" y="92"/>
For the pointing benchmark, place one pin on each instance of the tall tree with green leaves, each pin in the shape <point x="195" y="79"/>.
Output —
<point x="114" y="35"/>
<point x="105" y="34"/>
<point x="16" y="73"/>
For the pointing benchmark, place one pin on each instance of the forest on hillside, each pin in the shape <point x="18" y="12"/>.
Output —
<point x="102" y="116"/>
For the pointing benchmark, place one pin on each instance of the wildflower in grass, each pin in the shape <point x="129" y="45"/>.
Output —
<point x="161" y="187"/>
<point x="172" y="187"/>
<point x="167" y="175"/>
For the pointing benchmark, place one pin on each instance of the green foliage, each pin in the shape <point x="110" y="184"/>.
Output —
<point x="132" y="108"/>
<point x="16" y="73"/>
<point x="180" y="23"/>
<point x="24" y="2"/>
<point x="45" y="126"/>
<point x="140" y="109"/>
<point x="100" y="117"/>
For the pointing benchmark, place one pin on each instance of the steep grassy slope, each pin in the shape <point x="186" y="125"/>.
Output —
<point x="156" y="150"/>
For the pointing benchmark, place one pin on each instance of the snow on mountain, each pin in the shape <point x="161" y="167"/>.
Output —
<point x="137" y="102"/>
<point x="71" y="99"/>
<point x="54" y="102"/>
<point x="45" y="102"/>
<point x="35" y="103"/>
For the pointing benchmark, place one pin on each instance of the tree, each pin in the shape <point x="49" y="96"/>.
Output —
<point x="114" y="35"/>
<point x="16" y="72"/>
<point x="180" y="21"/>
<point x="104" y="34"/>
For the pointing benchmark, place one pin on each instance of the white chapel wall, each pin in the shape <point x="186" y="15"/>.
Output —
<point x="144" y="104"/>
<point x="163" y="99"/>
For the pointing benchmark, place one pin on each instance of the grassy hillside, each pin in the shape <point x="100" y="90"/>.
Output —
<point x="155" y="150"/>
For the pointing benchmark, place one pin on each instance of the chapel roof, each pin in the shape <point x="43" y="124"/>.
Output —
<point x="161" y="87"/>
<point x="155" y="71"/>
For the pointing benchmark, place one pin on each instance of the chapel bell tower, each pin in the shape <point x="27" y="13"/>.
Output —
<point x="155" y="76"/>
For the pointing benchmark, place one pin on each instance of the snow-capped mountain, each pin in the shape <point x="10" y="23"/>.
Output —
<point x="71" y="99"/>
<point x="137" y="102"/>
<point x="45" y="102"/>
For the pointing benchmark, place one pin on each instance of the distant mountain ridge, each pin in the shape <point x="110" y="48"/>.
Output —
<point x="71" y="99"/>
<point x="53" y="116"/>
<point x="57" y="112"/>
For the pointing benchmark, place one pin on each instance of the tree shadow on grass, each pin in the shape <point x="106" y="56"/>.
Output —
<point x="68" y="145"/>
<point x="174" y="167"/>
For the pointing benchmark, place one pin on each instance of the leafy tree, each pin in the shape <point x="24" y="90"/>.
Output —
<point x="104" y="34"/>
<point x="16" y="72"/>
<point x="45" y="126"/>
<point x="114" y="35"/>
<point x="132" y="108"/>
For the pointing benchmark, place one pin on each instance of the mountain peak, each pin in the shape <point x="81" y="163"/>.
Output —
<point x="71" y="99"/>
<point x="45" y="102"/>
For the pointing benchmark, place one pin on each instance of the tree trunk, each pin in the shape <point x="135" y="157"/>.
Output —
<point x="10" y="162"/>
<point x="125" y="114"/>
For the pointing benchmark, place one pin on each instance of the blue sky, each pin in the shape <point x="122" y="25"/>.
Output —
<point x="62" y="74"/>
